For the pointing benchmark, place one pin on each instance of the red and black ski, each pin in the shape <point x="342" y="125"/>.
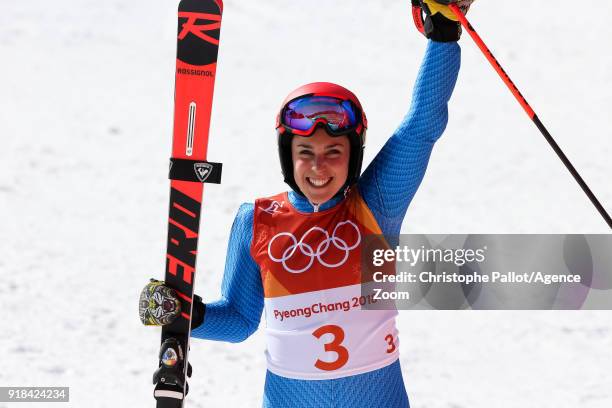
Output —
<point x="199" y="25"/>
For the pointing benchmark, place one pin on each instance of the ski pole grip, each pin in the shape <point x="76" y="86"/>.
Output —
<point x="417" y="16"/>
<point x="199" y="171"/>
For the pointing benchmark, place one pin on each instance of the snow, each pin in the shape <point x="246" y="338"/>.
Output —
<point x="86" y="120"/>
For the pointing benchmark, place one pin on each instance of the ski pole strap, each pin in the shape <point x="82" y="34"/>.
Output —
<point x="417" y="15"/>
<point x="194" y="170"/>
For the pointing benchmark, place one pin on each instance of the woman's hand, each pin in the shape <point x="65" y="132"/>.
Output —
<point x="440" y="22"/>
<point x="159" y="306"/>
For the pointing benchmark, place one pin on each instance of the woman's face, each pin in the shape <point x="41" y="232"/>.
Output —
<point x="320" y="164"/>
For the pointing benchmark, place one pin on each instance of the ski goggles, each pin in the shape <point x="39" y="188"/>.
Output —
<point x="302" y="115"/>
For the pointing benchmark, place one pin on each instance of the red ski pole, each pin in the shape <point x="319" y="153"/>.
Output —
<point x="532" y="115"/>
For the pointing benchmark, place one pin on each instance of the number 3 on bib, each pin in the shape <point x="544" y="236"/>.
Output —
<point x="334" y="345"/>
<point x="391" y="342"/>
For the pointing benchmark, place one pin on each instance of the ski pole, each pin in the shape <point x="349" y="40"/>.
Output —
<point x="532" y="115"/>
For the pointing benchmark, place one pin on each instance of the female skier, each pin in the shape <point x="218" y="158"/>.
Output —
<point x="297" y="254"/>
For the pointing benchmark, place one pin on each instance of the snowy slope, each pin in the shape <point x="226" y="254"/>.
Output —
<point x="86" y="119"/>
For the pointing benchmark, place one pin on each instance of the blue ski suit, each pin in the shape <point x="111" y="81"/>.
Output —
<point x="387" y="187"/>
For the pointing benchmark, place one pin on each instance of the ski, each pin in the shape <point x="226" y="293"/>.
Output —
<point x="199" y="24"/>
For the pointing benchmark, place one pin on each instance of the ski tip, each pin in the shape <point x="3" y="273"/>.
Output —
<point x="205" y="6"/>
<point x="220" y="4"/>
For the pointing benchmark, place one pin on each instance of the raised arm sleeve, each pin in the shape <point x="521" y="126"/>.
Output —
<point x="236" y="315"/>
<point x="391" y="180"/>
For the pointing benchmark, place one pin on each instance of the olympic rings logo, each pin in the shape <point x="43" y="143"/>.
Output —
<point x="308" y="251"/>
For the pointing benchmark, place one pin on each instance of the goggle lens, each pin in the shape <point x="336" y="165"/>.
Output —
<point x="304" y="113"/>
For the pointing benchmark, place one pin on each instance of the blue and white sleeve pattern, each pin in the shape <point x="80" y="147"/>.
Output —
<point x="391" y="180"/>
<point x="236" y="315"/>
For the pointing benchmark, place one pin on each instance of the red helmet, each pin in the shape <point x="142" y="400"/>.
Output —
<point x="327" y="105"/>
